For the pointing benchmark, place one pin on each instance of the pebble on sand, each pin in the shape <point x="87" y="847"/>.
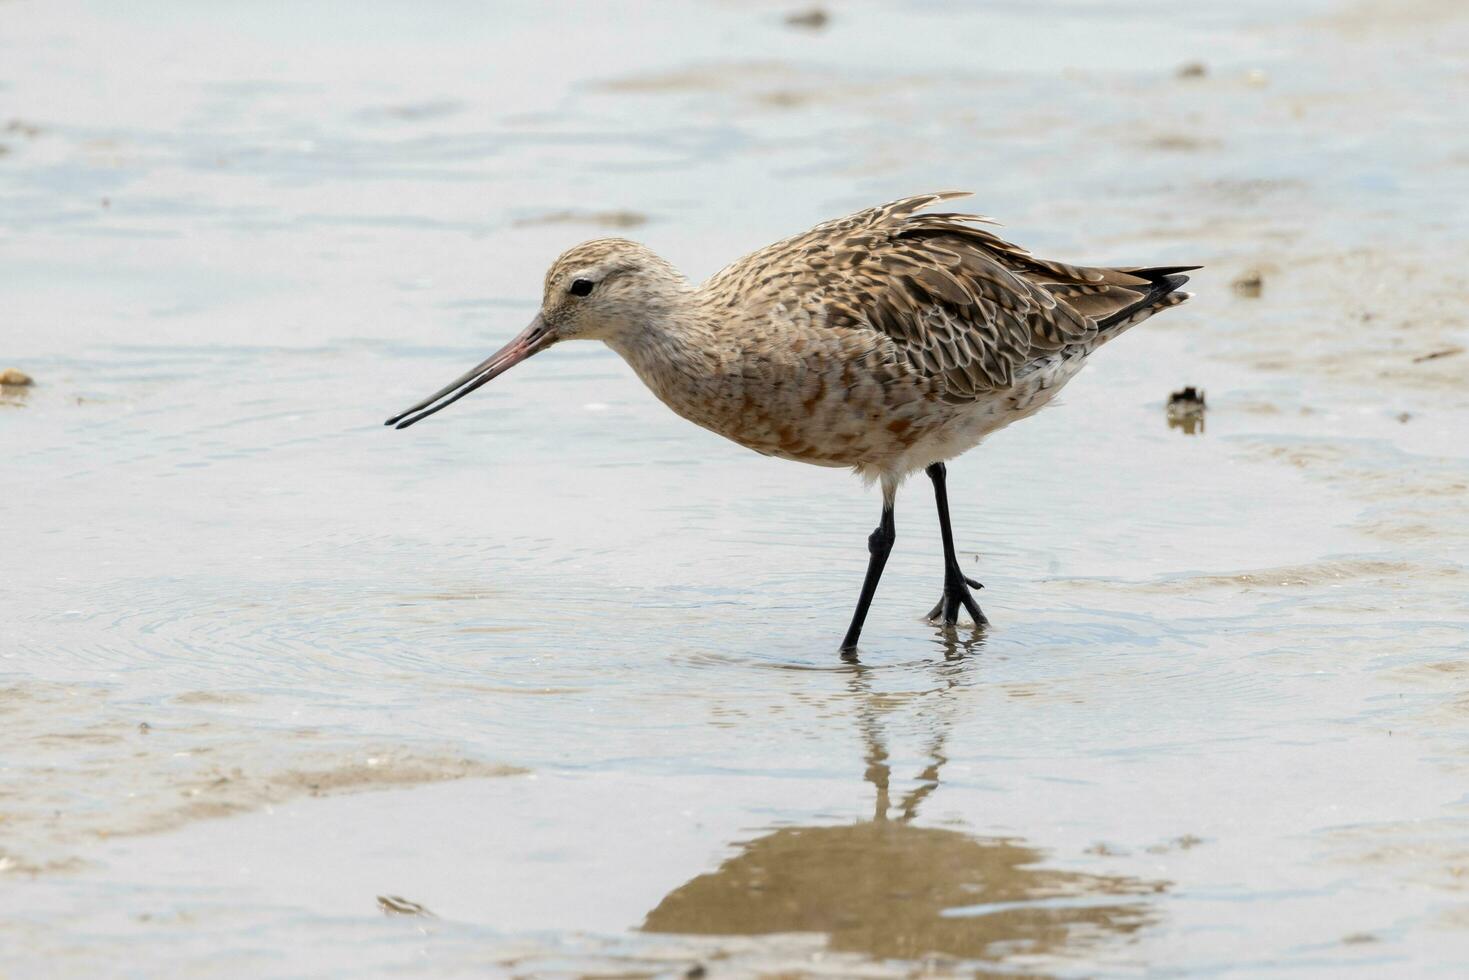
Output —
<point x="1434" y="355"/>
<point x="607" y="219"/>
<point x="813" y="18"/>
<point x="1249" y="283"/>
<point x="398" y="905"/>
<point x="1186" y="410"/>
<point x="15" y="377"/>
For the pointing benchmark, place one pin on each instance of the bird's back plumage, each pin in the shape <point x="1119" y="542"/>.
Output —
<point x="957" y="303"/>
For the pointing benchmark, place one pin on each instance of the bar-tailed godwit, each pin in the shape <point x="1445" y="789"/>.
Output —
<point x="887" y="341"/>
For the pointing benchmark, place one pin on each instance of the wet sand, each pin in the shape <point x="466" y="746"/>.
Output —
<point x="560" y="668"/>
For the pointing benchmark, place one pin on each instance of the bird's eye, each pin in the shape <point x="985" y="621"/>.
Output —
<point x="581" y="287"/>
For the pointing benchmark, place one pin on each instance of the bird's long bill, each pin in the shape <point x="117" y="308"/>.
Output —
<point x="536" y="337"/>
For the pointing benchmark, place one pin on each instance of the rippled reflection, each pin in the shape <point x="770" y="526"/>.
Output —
<point x="888" y="888"/>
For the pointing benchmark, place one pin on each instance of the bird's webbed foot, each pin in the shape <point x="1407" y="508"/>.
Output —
<point x="956" y="594"/>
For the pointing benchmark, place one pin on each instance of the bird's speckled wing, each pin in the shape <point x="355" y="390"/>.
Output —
<point x="957" y="303"/>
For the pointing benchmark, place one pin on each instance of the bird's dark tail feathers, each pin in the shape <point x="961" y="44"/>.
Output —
<point x="1165" y="292"/>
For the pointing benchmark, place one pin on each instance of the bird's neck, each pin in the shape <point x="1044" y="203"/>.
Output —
<point x="675" y="353"/>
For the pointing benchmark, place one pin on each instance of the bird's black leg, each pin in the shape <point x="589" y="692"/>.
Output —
<point x="879" y="545"/>
<point x="956" y="585"/>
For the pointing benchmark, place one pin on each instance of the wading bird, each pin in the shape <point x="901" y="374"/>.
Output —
<point x="887" y="341"/>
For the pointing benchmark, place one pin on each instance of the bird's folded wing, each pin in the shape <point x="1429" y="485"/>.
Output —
<point x="957" y="302"/>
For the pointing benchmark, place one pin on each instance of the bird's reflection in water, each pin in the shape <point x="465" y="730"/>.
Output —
<point x="888" y="888"/>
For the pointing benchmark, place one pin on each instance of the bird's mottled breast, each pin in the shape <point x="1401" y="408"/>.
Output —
<point x="786" y="385"/>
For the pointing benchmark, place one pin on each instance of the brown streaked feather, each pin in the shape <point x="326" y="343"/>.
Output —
<point x="957" y="303"/>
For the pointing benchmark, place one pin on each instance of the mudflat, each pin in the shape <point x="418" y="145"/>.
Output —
<point x="554" y="675"/>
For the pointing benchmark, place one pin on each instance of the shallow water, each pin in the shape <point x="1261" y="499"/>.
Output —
<point x="582" y="652"/>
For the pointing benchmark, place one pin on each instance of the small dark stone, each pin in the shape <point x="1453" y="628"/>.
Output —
<point x="1250" y="283"/>
<point x="1191" y="397"/>
<point x="398" y="905"/>
<point x="813" y="19"/>
<point x="1434" y="355"/>
<point x="1186" y="410"/>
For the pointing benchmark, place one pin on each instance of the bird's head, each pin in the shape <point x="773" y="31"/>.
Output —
<point x="602" y="289"/>
<point x="598" y="290"/>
